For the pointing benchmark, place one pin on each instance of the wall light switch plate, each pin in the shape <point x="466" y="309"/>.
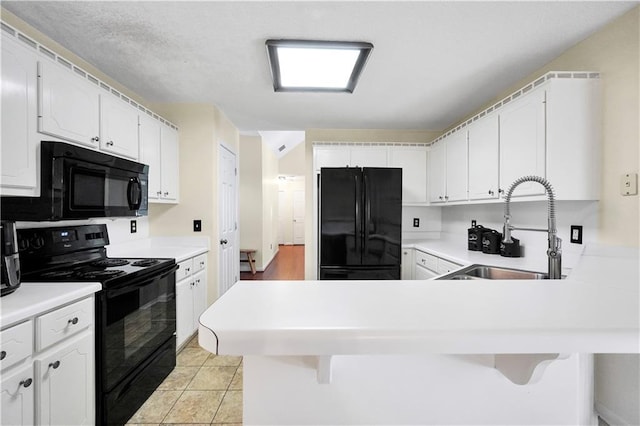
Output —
<point x="197" y="225"/>
<point x="416" y="222"/>
<point x="629" y="184"/>
<point x="576" y="234"/>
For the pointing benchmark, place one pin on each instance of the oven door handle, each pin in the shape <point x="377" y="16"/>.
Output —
<point x="142" y="282"/>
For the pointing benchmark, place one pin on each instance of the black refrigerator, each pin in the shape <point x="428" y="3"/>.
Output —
<point x="360" y="221"/>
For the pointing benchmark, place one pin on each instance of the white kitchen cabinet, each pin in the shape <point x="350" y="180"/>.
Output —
<point x="19" y="170"/>
<point x="368" y="156"/>
<point x="422" y="273"/>
<point x="523" y="142"/>
<point x="407" y="265"/>
<point x="69" y="105"/>
<point x="331" y="157"/>
<point x="191" y="296"/>
<point x="159" y="149"/>
<point x="53" y="381"/>
<point x="118" y="127"/>
<point x="456" y="167"/>
<point x="483" y="158"/>
<point x="428" y="265"/>
<point x="66" y="385"/>
<point x="350" y="156"/>
<point x="437" y="172"/>
<point x="413" y="161"/>
<point x="17" y="390"/>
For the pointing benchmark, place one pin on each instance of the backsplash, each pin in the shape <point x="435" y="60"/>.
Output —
<point x="430" y="222"/>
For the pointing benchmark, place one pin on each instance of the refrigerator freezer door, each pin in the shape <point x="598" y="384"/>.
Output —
<point x="360" y="273"/>
<point x="382" y="216"/>
<point x="340" y="216"/>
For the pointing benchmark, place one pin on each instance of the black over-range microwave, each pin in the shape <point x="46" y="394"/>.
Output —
<point x="78" y="183"/>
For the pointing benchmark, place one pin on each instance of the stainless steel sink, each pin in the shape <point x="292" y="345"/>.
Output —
<point x="486" y="272"/>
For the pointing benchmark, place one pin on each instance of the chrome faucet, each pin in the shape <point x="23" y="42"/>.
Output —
<point x="554" y="252"/>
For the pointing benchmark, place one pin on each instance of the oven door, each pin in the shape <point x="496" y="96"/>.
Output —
<point x="94" y="190"/>
<point x="134" y="320"/>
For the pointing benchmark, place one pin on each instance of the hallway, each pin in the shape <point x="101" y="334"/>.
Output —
<point x="288" y="265"/>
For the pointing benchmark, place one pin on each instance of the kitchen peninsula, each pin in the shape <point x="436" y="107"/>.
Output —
<point x="427" y="352"/>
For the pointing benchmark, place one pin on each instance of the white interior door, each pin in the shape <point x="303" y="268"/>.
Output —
<point x="283" y="220"/>
<point x="298" y="217"/>
<point x="229" y="266"/>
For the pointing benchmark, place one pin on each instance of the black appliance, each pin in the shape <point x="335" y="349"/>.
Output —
<point x="78" y="183"/>
<point x="510" y="249"/>
<point x="10" y="259"/>
<point x="491" y="241"/>
<point x="135" y="311"/>
<point x="474" y="237"/>
<point x="360" y="221"/>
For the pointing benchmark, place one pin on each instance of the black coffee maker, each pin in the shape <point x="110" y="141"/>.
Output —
<point x="10" y="259"/>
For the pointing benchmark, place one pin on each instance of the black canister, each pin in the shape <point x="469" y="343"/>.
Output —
<point x="491" y="241"/>
<point x="510" y="249"/>
<point x="474" y="237"/>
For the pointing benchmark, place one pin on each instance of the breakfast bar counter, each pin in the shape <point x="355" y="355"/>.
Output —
<point x="426" y="352"/>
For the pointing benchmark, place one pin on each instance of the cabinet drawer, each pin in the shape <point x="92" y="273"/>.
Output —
<point x="185" y="269"/>
<point x="199" y="263"/>
<point x="61" y="323"/>
<point x="16" y="343"/>
<point x="444" y="266"/>
<point x="426" y="260"/>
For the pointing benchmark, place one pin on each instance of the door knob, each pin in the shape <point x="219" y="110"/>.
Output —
<point x="223" y="241"/>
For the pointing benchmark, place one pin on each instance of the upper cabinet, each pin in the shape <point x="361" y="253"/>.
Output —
<point x="549" y="128"/>
<point x="19" y="172"/>
<point x="46" y="97"/>
<point x="118" y="127"/>
<point x="69" y="105"/>
<point x="159" y="149"/>
<point x="411" y="158"/>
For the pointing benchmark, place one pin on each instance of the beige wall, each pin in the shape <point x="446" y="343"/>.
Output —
<point x="615" y="53"/>
<point x="340" y="135"/>
<point x="250" y="195"/>
<point x="292" y="164"/>
<point x="202" y="128"/>
<point x="269" y="204"/>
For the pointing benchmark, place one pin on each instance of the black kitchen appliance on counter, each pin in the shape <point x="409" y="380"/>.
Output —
<point x="10" y="259"/>
<point x="474" y="237"/>
<point x="360" y="223"/>
<point x="491" y="241"/>
<point x="78" y="183"/>
<point x="135" y="311"/>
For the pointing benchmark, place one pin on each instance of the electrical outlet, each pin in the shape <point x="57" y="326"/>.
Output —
<point x="576" y="234"/>
<point x="473" y="223"/>
<point x="134" y="227"/>
<point x="197" y="225"/>
<point x="416" y="222"/>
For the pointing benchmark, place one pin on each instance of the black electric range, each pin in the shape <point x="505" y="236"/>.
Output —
<point x="135" y="322"/>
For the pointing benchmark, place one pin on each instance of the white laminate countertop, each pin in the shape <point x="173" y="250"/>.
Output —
<point x="179" y="248"/>
<point x="595" y="310"/>
<point x="32" y="299"/>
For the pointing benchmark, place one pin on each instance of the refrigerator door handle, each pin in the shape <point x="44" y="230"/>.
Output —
<point x="367" y="214"/>
<point x="357" y="212"/>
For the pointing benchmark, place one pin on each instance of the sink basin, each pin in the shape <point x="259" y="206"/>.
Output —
<point x="485" y="272"/>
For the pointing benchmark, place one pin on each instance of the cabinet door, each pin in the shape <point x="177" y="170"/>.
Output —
<point x="413" y="161"/>
<point x="184" y="310"/>
<point x="436" y="170"/>
<point x="483" y="158"/>
<point x="17" y="401"/>
<point x="66" y="378"/>
<point x="368" y="157"/>
<point x="149" y="136"/>
<point x="19" y="114"/>
<point x="169" y="170"/>
<point x="69" y="105"/>
<point x="406" y="268"/>
<point x="456" y="168"/>
<point x="422" y="273"/>
<point x="522" y="142"/>
<point x="199" y="296"/>
<point x="332" y="157"/>
<point x="118" y="127"/>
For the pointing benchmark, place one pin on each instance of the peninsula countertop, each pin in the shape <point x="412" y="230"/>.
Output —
<point x="595" y="310"/>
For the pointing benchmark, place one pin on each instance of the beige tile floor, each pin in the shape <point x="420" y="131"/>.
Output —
<point x="203" y="389"/>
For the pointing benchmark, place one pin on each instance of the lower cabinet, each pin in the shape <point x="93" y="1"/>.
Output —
<point x="429" y="266"/>
<point x="406" y="268"/>
<point x="191" y="296"/>
<point x="52" y="383"/>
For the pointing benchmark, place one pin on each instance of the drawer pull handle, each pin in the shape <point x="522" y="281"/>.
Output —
<point x="73" y="321"/>
<point x="3" y="355"/>
<point x="110" y="143"/>
<point x="201" y="263"/>
<point x="95" y="139"/>
<point x="26" y="383"/>
<point x="55" y="364"/>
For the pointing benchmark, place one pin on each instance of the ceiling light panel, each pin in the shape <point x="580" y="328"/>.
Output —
<point x="319" y="66"/>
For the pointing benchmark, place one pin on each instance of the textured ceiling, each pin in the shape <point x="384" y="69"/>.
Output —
<point x="433" y="62"/>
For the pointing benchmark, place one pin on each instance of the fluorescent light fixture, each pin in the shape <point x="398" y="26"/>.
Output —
<point x="316" y="66"/>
